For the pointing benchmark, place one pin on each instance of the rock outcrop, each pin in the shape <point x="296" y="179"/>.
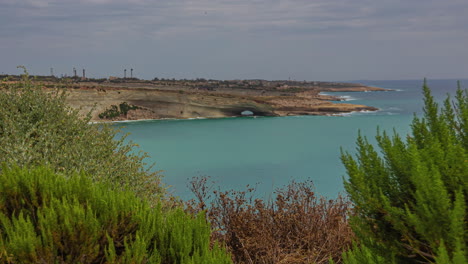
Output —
<point x="179" y="103"/>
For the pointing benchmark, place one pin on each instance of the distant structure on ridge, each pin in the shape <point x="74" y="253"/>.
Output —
<point x="74" y="72"/>
<point x="125" y="73"/>
<point x="131" y="73"/>
<point x="84" y="75"/>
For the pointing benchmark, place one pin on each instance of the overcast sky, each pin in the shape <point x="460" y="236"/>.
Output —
<point x="239" y="39"/>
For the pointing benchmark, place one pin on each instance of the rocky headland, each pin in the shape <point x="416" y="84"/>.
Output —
<point x="116" y="99"/>
<point x="135" y="100"/>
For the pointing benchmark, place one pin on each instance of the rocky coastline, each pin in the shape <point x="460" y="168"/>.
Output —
<point x="156" y="101"/>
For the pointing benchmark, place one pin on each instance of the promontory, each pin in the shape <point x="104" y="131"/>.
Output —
<point x="133" y="99"/>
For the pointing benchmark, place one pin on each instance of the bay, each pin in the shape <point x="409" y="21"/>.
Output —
<point x="270" y="152"/>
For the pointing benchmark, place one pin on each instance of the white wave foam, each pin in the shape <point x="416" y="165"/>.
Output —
<point x="353" y="113"/>
<point x="367" y="112"/>
<point x="343" y="114"/>
<point x="121" y="121"/>
<point x="348" y="98"/>
<point x="341" y="97"/>
<point x="139" y="120"/>
<point x="393" y="109"/>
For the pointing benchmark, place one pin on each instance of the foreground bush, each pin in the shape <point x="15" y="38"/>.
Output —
<point x="297" y="227"/>
<point x="46" y="218"/>
<point x="411" y="199"/>
<point x="38" y="127"/>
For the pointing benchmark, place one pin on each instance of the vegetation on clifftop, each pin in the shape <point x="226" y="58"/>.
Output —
<point x="39" y="128"/>
<point x="71" y="193"/>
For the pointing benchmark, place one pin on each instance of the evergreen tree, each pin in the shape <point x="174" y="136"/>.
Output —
<point x="411" y="198"/>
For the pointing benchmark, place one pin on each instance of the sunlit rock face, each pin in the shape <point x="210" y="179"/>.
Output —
<point x="181" y="104"/>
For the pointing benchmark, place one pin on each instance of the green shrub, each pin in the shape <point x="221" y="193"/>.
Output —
<point x="125" y="107"/>
<point x="115" y="111"/>
<point x="411" y="199"/>
<point x="38" y="127"/>
<point x="47" y="218"/>
<point x="110" y="113"/>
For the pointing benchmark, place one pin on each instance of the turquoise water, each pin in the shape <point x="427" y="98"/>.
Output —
<point x="272" y="151"/>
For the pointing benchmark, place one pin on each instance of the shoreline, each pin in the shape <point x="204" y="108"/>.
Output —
<point x="346" y="114"/>
<point x="132" y="102"/>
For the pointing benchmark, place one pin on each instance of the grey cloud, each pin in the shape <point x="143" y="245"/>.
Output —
<point x="112" y="26"/>
<point x="181" y="16"/>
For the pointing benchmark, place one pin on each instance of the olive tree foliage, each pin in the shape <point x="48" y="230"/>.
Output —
<point x="411" y="198"/>
<point x="37" y="127"/>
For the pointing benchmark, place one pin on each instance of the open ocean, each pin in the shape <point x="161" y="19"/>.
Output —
<point x="272" y="151"/>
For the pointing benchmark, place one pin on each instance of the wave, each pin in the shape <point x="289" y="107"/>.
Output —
<point x="384" y="112"/>
<point x="392" y="108"/>
<point x="140" y="120"/>
<point x="355" y="113"/>
<point x="347" y="98"/>
<point x="118" y="121"/>
<point x="341" y="97"/>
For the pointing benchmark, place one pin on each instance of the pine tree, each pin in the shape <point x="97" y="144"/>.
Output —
<point x="411" y="197"/>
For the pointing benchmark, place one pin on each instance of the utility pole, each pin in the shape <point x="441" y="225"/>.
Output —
<point x="74" y="72"/>
<point x="51" y="71"/>
<point x="131" y="73"/>
<point x="125" y="73"/>
<point x="84" y="75"/>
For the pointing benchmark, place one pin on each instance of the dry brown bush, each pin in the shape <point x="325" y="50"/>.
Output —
<point x="297" y="226"/>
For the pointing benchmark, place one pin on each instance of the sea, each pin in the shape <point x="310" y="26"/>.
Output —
<point x="270" y="152"/>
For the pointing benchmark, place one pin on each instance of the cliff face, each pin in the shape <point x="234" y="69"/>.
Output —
<point x="180" y="104"/>
<point x="164" y="104"/>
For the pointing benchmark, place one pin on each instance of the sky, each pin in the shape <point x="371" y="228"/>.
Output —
<point x="314" y="40"/>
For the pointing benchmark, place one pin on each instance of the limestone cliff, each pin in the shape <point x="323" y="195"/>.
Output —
<point x="180" y="103"/>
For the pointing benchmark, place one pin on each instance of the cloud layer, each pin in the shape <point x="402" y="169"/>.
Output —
<point x="324" y="39"/>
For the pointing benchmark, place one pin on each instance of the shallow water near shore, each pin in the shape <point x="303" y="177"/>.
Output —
<point x="272" y="151"/>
